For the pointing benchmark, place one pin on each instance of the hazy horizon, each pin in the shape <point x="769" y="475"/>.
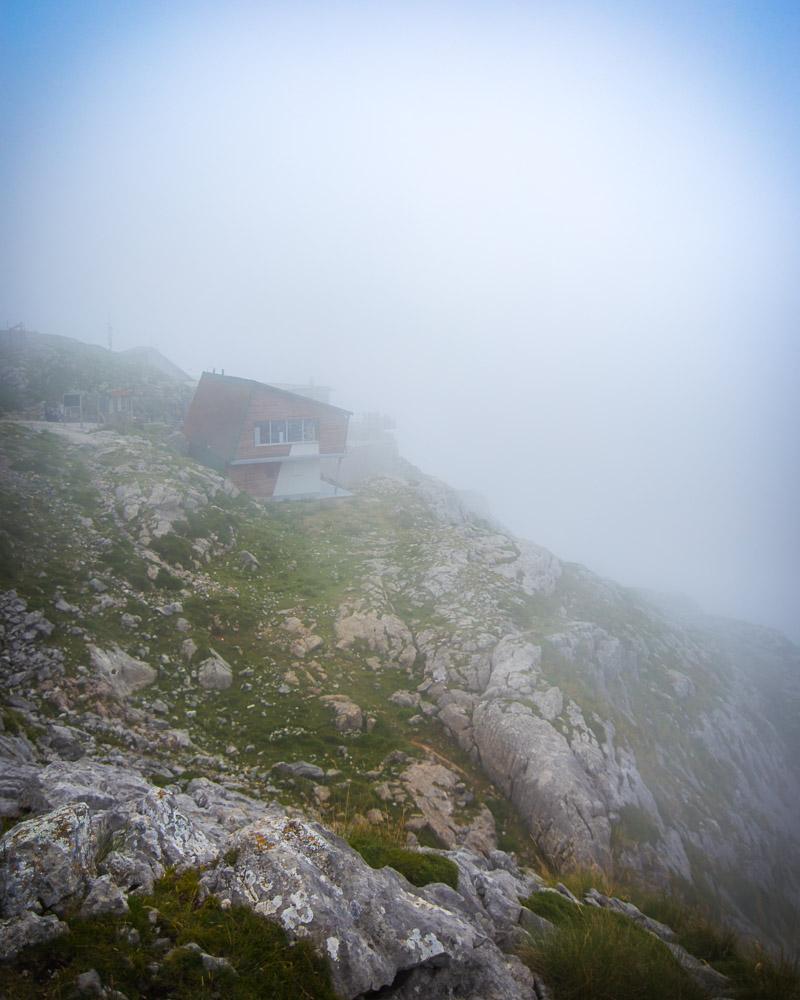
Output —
<point x="558" y="243"/>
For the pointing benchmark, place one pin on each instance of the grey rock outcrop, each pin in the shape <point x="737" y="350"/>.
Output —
<point x="434" y="790"/>
<point x="622" y="729"/>
<point x="383" y="634"/>
<point x="375" y="929"/>
<point x="294" y="872"/>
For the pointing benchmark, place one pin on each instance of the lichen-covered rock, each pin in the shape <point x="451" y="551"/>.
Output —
<point x="150" y="835"/>
<point x="47" y="861"/>
<point x="299" y="769"/>
<point x="248" y="562"/>
<point x="535" y="569"/>
<point x="405" y="699"/>
<point x="435" y="790"/>
<point x="28" y="929"/>
<point x="372" y="925"/>
<point x="66" y="741"/>
<point x="99" y="786"/>
<point x="515" y="666"/>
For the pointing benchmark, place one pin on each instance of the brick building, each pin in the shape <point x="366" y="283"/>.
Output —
<point x="270" y="442"/>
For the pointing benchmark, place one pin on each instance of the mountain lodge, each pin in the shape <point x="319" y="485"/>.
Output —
<point x="267" y="440"/>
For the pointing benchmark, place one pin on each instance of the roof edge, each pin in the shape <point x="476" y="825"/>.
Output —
<point x="254" y="384"/>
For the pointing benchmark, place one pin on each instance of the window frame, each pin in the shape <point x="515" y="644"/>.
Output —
<point x="272" y="427"/>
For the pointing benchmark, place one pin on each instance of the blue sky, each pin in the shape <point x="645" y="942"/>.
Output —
<point x="558" y="242"/>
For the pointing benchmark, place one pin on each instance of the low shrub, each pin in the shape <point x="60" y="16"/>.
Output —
<point x="175" y="549"/>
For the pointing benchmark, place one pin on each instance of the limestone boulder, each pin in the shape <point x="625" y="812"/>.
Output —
<point x="347" y="716"/>
<point x="104" y="897"/>
<point x="123" y="674"/>
<point x="47" y="861"/>
<point x="214" y="673"/>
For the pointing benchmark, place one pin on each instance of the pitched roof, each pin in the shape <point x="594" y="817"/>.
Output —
<point x="253" y="384"/>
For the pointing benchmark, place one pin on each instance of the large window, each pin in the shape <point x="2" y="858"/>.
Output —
<point x="286" y="431"/>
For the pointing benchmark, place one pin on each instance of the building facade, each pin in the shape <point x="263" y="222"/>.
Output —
<point x="270" y="442"/>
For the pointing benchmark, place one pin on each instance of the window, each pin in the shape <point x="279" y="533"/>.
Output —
<point x="286" y="431"/>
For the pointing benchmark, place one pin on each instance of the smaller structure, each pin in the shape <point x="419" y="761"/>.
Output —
<point x="267" y="440"/>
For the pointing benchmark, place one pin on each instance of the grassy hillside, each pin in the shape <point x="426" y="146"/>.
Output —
<point x="124" y="545"/>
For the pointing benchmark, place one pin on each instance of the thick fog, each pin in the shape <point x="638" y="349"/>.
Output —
<point x="558" y="244"/>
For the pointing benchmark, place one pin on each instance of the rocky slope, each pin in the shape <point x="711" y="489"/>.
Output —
<point x="175" y="656"/>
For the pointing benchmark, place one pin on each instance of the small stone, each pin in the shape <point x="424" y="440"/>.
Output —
<point x="175" y="608"/>
<point x="89" y="984"/>
<point x="131" y="935"/>
<point x="97" y="585"/>
<point x="104" y="897"/>
<point x="404" y="699"/>
<point x="348" y="717"/>
<point x="299" y="769"/>
<point x="248" y="561"/>
<point x="65" y="607"/>
<point x="304" y="645"/>
<point x="211" y="963"/>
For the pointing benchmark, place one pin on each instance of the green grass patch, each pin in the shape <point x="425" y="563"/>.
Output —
<point x="755" y="974"/>
<point x="600" y="955"/>
<point x="554" y="907"/>
<point x="418" y="867"/>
